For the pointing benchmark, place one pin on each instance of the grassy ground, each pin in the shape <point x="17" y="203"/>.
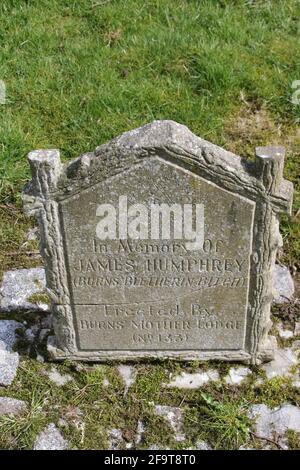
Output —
<point x="87" y="407"/>
<point x="78" y="73"/>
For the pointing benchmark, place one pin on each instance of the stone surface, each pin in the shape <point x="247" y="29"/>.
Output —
<point x="11" y="406"/>
<point x="295" y="346"/>
<point x="283" y="285"/>
<point x="284" y="359"/>
<point x="297" y="328"/>
<point x="8" y="333"/>
<point x="284" y="333"/>
<point x="33" y="234"/>
<point x="194" y="380"/>
<point x="50" y="439"/>
<point x="273" y="423"/>
<point x="9" y="360"/>
<point x="105" y="382"/>
<point x="115" y="439"/>
<point x="202" y="445"/>
<point x="173" y="416"/>
<point x="237" y="375"/>
<point x="139" y="432"/>
<point x="151" y="286"/>
<point x="18" y="286"/>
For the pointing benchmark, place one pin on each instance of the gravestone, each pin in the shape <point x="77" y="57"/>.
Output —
<point x="159" y="244"/>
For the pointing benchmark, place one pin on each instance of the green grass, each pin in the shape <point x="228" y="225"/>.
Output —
<point x="223" y="422"/>
<point x="216" y="412"/>
<point x="77" y="75"/>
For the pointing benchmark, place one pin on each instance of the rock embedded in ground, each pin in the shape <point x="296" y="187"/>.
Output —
<point x="283" y="285"/>
<point x="33" y="234"/>
<point x="115" y="439"/>
<point x="19" y="286"/>
<point x="8" y="332"/>
<point x="296" y="346"/>
<point x="202" y="445"/>
<point x="139" y="432"/>
<point x="284" y="333"/>
<point x="11" y="406"/>
<point x="40" y="358"/>
<point x="9" y="360"/>
<point x="50" y="439"/>
<point x="297" y="328"/>
<point x="173" y="416"/>
<point x="283" y="360"/>
<point x="106" y="382"/>
<point x="274" y="423"/>
<point x="194" y="380"/>
<point x="43" y="333"/>
<point x="237" y="375"/>
<point x="30" y="335"/>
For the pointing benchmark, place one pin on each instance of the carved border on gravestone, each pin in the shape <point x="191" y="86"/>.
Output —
<point x="260" y="181"/>
<point x="46" y="168"/>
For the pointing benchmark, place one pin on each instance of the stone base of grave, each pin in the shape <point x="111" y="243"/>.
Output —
<point x="266" y="354"/>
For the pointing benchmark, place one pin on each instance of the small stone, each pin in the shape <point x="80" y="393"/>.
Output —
<point x="297" y="328"/>
<point x="50" y="439"/>
<point x="196" y="380"/>
<point x="154" y="447"/>
<point x="105" y="383"/>
<point x="284" y="333"/>
<point x="43" y="333"/>
<point x="283" y="360"/>
<point x="30" y="335"/>
<point x="8" y="332"/>
<point x="9" y="362"/>
<point x="11" y="406"/>
<point x="115" y="439"/>
<point x="273" y="423"/>
<point x="258" y="382"/>
<point x="40" y="358"/>
<point x="237" y="375"/>
<point x="46" y="321"/>
<point x="18" y="286"/>
<point x="33" y="234"/>
<point x="139" y="432"/>
<point x="57" y="378"/>
<point x="62" y="423"/>
<point x="202" y="445"/>
<point x="128" y="374"/>
<point x="296" y="346"/>
<point x="174" y="417"/>
<point x="283" y="285"/>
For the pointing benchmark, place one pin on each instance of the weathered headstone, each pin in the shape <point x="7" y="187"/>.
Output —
<point x="159" y="244"/>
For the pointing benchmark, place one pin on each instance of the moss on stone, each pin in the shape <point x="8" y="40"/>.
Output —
<point x="39" y="298"/>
